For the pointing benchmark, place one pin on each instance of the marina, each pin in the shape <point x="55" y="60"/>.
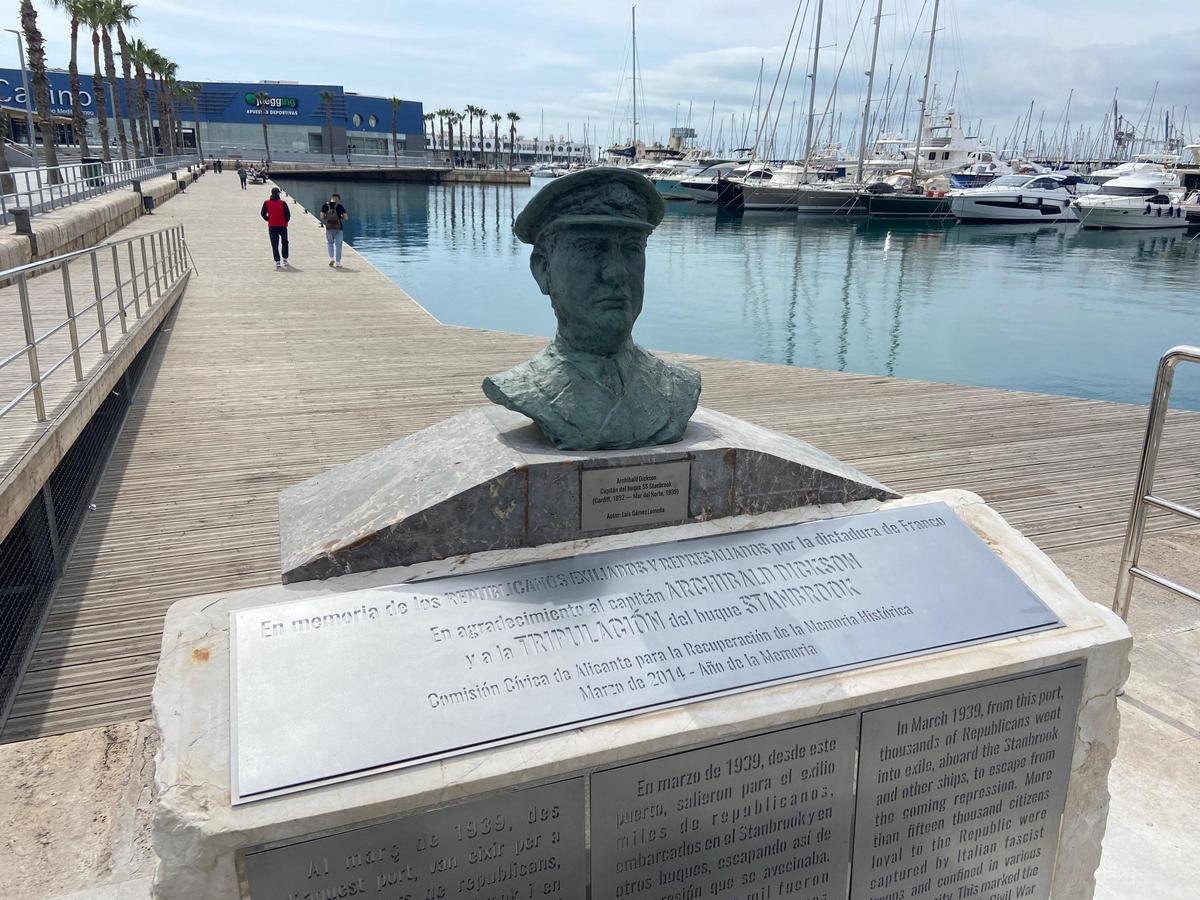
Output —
<point x="733" y="440"/>
<point x="1051" y="308"/>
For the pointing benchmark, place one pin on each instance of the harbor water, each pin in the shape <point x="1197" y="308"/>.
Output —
<point x="1047" y="308"/>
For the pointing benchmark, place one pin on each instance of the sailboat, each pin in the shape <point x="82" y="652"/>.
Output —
<point x="904" y="195"/>
<point x="628" y="154"/>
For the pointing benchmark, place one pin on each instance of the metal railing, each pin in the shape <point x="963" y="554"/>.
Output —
<point x="135" y="290"/>
<point x="1144" y="496"/>
<point x="255" y="156"/>
<point x="43" y="188"/>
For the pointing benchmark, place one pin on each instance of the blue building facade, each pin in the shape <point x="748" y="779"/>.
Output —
<point x="229" y="116"/>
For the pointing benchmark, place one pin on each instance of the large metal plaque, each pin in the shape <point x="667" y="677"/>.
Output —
<point x="765" y="816"/>
<point x="961" y="794"/>
<point x="331" y="687"/>
<point x="518" y="844"/>
<point x="653" y="494"/>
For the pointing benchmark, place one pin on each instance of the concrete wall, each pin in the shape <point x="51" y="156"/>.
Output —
<point x="83" y="224"/>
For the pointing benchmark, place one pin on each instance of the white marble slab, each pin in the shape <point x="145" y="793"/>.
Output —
<point x="198" y="833"/>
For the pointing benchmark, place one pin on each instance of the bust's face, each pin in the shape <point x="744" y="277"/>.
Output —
<point x="595" y="276"/>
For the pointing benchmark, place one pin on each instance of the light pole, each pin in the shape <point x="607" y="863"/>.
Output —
<point x="25" y="86"/>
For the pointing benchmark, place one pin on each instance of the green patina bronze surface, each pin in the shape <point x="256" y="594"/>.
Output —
<point x="593" y="388"/>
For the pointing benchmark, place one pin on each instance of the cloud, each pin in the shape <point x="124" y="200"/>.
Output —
<point x="569" y="59"/>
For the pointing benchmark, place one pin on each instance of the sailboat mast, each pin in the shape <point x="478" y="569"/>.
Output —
<point x="812" y="91"/>
<point x="633" y="14"/>
<point x="862" y="143"/>
<point x="925" y="91"/>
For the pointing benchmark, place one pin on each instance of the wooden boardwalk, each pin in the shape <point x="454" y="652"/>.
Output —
<point x="264" y="378"/>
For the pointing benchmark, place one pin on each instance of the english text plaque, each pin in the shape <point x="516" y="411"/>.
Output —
<point x="961" y="794"/>
<point x="521" y="843"/>
<point x="764" y="816"/>
<point x="626" y="496"/>
<point x="418" y="671"/>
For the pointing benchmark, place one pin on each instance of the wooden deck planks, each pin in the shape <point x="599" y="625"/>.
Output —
<point x="264" y="378"/>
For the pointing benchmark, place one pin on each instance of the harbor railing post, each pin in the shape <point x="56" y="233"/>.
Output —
<point x="99" y="303"/>
<point x="120" y="293"/>
<point x="72" y="329"/>
<point x="35" y="374"/>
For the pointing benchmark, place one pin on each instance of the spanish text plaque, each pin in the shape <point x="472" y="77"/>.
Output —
<point x="626" y="496"/>
<point x="765" y="816"/>
<point x="418" y="671"/>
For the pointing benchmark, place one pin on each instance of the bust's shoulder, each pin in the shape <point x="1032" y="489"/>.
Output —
<point x="532" y="381"/>
<point x="684" y="381"/>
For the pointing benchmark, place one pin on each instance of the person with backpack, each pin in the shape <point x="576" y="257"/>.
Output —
<point x="276" y="213"/>
<point x="333" y="214"/>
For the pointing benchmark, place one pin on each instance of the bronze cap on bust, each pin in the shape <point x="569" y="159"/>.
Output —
<point x="593" y="388"/>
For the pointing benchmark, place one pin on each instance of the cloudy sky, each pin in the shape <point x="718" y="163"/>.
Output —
<point x="568" y="60"/>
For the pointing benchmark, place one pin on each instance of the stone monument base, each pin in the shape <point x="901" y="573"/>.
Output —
<point x="487" y="479"/>
<point x="986" y="721"/>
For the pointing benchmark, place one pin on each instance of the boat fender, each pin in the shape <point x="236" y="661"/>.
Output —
<point x="1160" y="212"/>
<point x="1020" y="199"/>
<point x="1039" y="199"/>
<point x="1147" y="212"/>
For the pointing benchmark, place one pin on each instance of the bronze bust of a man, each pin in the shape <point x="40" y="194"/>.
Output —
<point x="593" y="388"/>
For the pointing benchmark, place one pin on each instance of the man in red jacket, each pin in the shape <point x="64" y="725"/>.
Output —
<point x="276" y="214"/>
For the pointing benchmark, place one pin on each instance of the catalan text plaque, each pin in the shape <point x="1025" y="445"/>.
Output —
<point x="334" y="686"/>
<point x="765" y="816"/>
<point x="518" y="844"/>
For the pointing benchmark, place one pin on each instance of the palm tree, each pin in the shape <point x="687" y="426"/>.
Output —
<point x="36" y="53"/>
<point x="395" y="102"/>
<point x="470" y="111"/>
<point x="93" y="12"/>
<point x="152" y="59"/>
<point x="429" y="117"/>
<point x="513" y="119"/>
<point x="180" y="93"/>
<point x="111" y="11"/>
<point x="139" y="54"/>
<point x="75" y="9"/>
<point x="123" y="15"/>
<point x="166" y="71"/>
<point x="327" y="99"/>
<point x="462" y="144"/>
<point x="496" y="117"/>
<point x="262" y="97"/>
<point x="447" y="117"/>
<point x="482" y="113"/>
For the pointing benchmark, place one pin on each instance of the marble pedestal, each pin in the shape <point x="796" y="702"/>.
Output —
<point x="198" y="834"/>
<point x="487" y="479"/>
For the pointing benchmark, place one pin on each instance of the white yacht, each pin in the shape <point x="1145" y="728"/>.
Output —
<point x="1133" y="201"/>
<point x="1018" y="198"/>
<point x="548" y="170"/>
<point x="1135" y="167"/>
<point x="702" y="186"/>
<point x="668" y="178"/>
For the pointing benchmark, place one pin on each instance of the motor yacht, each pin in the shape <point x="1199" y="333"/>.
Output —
<point x="1133" y="201"/>
<point x="702" y="186"/>
<point x="1019" y="198"/>
<point x="1135" y="167"/>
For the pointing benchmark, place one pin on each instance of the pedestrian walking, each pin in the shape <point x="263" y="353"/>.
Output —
<point x="276" y="213"/>
<point x="333" y="214"/>
<point x="241" y="170"/>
